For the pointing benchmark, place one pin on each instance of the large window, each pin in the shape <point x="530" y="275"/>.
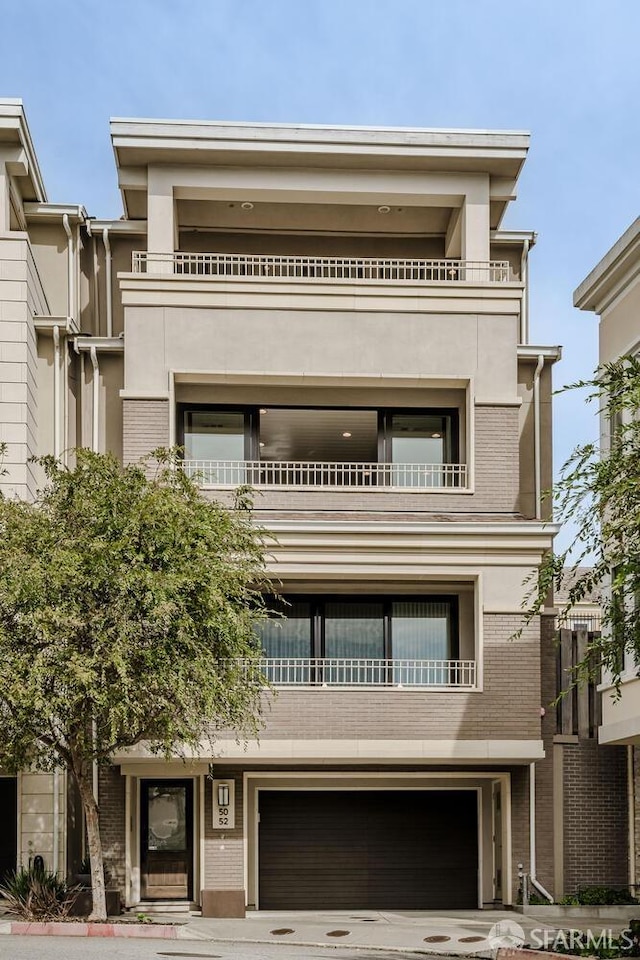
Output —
<point x="371" y="628"/>
<point x="326" y="446"/>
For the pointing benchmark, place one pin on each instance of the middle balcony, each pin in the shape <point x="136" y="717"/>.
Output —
<point x="276" y="447"/>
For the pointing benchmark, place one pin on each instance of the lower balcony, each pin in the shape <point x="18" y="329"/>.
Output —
<point x="346" y="672"/>
<point x="302" y="474"/>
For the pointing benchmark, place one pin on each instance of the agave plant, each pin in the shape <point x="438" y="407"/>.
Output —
<point x="38" y="894"/>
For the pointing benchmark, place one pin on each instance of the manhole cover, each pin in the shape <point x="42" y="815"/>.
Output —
<point x="282" y="931"/>
<point x="437" y="938"/>
<point x="338" y="933"/>
<point x="470" y="939"/>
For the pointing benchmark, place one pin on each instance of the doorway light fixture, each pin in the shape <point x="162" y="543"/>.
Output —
<point x="223" y="794"/>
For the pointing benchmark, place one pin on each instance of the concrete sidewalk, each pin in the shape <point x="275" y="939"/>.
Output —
<point x="460" y="933"/>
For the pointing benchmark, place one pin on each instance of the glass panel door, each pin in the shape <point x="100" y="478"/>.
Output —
<point x="354" y="630"/>
<point x="421" y="630"/>
<point x="288" y="641"/>
<point x="166" y="839"/>
<point x="420" y="446"/>
<point x="217" y="435"/>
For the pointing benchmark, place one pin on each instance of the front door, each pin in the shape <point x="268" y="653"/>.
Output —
<point x="8" y="830"/>
<point x="166" y="835"/>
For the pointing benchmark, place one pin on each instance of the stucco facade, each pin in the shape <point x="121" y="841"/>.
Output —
<point x="263" y="283"/>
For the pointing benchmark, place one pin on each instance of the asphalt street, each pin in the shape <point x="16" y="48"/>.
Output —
<point x="79" y="948"/>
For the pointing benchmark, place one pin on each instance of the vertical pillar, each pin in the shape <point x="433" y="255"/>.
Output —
<point x="161" y="220"/>
<point x="475" y="222"/>
<point x="5" y="203"/>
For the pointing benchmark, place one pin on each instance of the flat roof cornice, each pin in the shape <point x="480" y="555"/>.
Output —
<point x="143" y="141"/>
<point x="317" y="133"/>
<point x="14" y="126"/>
<point x="617" y="267"/>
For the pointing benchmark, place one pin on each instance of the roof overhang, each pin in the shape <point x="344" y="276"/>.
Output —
<point x="17" y="146"/>
<point x="619" y="266"/>
<point x="143" y="142"/>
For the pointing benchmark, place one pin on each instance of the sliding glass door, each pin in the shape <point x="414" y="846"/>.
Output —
<point x="363" y="640"/>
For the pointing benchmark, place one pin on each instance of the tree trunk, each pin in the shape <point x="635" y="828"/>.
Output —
<point x="92" y="820"/>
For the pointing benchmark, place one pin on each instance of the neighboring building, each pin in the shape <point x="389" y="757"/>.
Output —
<point x="335" y="316"/>
<point x="584" y="614"/>
<point x="612" y="291"/>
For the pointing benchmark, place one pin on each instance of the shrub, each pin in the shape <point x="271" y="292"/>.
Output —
<point x="37" y="894"/>
<point x="599" y="896"/>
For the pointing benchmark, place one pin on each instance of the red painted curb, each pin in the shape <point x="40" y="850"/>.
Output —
<point x="149" y="931"/>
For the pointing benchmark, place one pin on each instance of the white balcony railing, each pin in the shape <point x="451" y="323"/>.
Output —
<point x="249" y="266"/>
<point x="299" y="473"/>
<point x="338" y="672"/>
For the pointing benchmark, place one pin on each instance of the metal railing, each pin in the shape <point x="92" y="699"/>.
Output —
<point x="592" y="622"/>
<point x="253" y="266"/>
<point x="300" y="473"/>
<point x="339" y="672"/>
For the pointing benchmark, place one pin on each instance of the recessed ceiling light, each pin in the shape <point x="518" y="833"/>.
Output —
<point x="262" y="443"/>
<point x="436" y="436"/>
<point x="247" y="205"/>
<point x="384" y="209"/>
<point x="263" y="410"/>
<point x="346" y="434"/>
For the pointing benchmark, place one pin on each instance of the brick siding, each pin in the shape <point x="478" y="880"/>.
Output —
<point x="224" y="851"/>
<point x="111" y="794"/>
<point x="595" y="815"/>
<point x="145" y="426"/>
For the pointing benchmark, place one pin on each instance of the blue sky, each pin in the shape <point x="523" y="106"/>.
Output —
<point x="567" y="70"/>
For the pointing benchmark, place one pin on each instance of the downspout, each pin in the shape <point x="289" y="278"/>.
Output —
<point x="96" y="302"/>
<point x="56" y="392"/>
<point x="532" y="835"/>
<point x="94" y="446"/>
<point x="70" y="299"/>
<point x="95" y="410"/>
<point x="632" y="819"/>
<point x="56" y="453"/>
<point x="524" y="309"/>
<point x="536" y="436"/>
<point x="107" y="274"/>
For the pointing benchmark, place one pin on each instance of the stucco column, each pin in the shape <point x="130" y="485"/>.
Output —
<point x="5" y="205"/>
<point x="474" y="221"/>
<point x="161" y="220"/>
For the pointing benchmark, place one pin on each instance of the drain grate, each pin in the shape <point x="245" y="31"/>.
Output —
<point x="437" y="938"/>
<point x="470" y="939"/>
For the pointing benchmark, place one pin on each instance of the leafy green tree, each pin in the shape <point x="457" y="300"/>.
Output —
<point x="128" y="608"/>
<point x="598" y="493"/>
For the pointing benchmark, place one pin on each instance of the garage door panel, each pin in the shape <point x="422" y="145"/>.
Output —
<point x="368" y="849"/>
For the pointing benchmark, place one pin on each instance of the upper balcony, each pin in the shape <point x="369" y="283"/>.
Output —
<point x="370" y="270"/>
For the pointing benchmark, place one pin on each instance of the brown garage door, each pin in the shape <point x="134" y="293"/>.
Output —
<point x="358" y="850"/>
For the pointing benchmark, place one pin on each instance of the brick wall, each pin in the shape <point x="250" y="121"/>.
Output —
<point x="508" y="708"/>
<point x="111" y="790"/>
<point x="224" y="851"/>
<point x="595" y="815"/>
<point x="145" y="426"/>
<point x="545" y="787"/>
